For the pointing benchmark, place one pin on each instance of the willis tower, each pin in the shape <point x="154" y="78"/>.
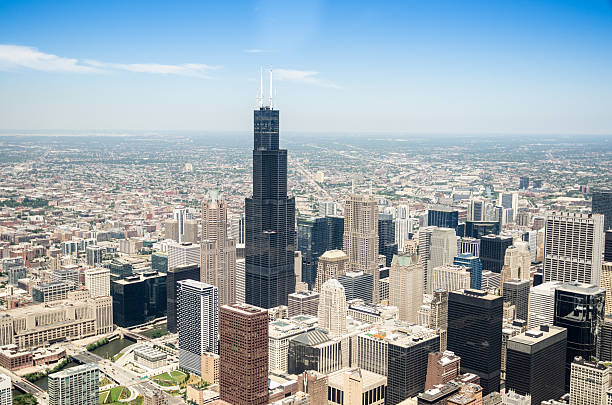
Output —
<point x="270" y="217"/>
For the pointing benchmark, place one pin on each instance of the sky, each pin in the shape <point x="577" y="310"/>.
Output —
<point x="410" y="67"/>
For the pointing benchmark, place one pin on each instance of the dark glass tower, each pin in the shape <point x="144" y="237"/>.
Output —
<point x="386" y="238"/>
<point x="269" y="220"/>
<point x="443" y="218"/>
<point x="315" y="236"/>
<point x="493" y="251"/>
<point x="189" y="271"/>
<point x="580" y="309"/>
<point x="602" y="204"/>
<point x="475" y="334"/>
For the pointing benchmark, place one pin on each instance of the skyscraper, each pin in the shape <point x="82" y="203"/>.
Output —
<point x="386" y="237"/>
<point x="517" y="293"/>
<point x="6" y="395"/>
<point x="438" y="316"/>
<point x="198" y="323"/>
<point x="361" y="236"/>
<point x="406" y="286"/>
<point x="536" y="363"/>
<point x="518" y="261"/>
<point x="332" y="308"/>
<point x="493" y="251"/>
<point x="475" y="334"/>
<point x="270" y="219"/>
<point x="602" y="204"/>
<point x="97" y="281"/>
<point x="450" y="278"/>
<point x="476" y="210"/>
<point x="357" y="285"/>
<point x="579" y="308"/>
<point x="174" y="275"/>
<point x="218" y="250"/>
<point x="442" y="250"/>
<point x="77" y="385"/>
<point x="402" y="226"/>
<point x="608" y="246"/>
<point x="443" y="217"/>
<point x="138" y="299"/>
<point x="573" y="248"/>
<point x="332" y="264"/>
<point x="316" y="236"/>
<point x="542" y="304"/>
<point x="180" y="254"/>
<point x="589" y="383"/>
<point x="243" y="350"/>
<point x="475" y="268"/>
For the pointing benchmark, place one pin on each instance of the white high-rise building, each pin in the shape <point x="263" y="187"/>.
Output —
<point x="406" y="286"/>
<point x="476" y="210"/>
<point x="424" y="250"/>
<point x="218" y="251"/>
<point x="442" y="250"/>
<point x="517" y="261"/>
<point x="77" y="385"/>
<point x="402" y="226"/>
<point x="180" y="215"/>
<point x="450" y="278"/>
<point x="332" y="308"/>
<point x="573" y="248"/>
<point x="542" y="304"/>
<point x="509" y="201"/>
<point x="361" y="237"/>
<point x="97" y="282"/>
<point x="589" y="383"/>
<point x="6" y="395"/>
<point x="197" y="323"/>
<point x="182" y="254"/>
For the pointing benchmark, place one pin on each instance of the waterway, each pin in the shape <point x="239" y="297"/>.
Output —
<point x="110" y="349"/>
<point x="43" y="383"/>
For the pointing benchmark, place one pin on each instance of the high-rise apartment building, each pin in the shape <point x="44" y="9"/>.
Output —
<point x="174" y="275"/>
<point x="573" y="248"/>
<point x="493" y="251"/>
<point x="97" y="282"/>
<point x="602" y="204"/>
<point x="424" y="250"/>
<point x="218" y="250"/>
<point x="332" y="308"/>
<point x="240" y="281"/>
<point x="580" y="309"/>
<point x="589" y="382"/>
<point x="474" y="266"/>
<point x="270" y="218"/>
<point x="95" y="254"/>
<point x="6" y="394"/>
<point x="535" y="363"/>
<point x="402" y="226"/>
<point x="76" y="385"/>
<point x="542" y="304"/>
<point x="406" y="286"/>
<point x="475" y="334"/>
<point x="243" y="350"/>
<point x="361" y="236"/>
<point x="606" y="283"/>
<point x="198" y="323"/>
<point x="516" y="292"/>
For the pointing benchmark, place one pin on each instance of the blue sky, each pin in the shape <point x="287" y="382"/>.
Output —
<point x="444" y="67"/>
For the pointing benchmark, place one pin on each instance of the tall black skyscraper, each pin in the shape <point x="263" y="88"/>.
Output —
<point x="608" y="246"/>
<point x="579" y="308"/>
<point x="493" y="251"/>
<point x="602" y="204"/>
<point x="269" y="220"/>
<point x="315" y="236"/>
<point x="189" y="271"/>
<point x="475" y="334"/>
<point x="386" y="237"/>
<point x="443" y="218"/>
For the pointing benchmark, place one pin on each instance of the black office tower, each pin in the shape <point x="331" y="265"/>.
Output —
<point x="608" y="246"/>
<point x="475" y="334"/>
<point x="524" y="183"/>
<point x="407" y="358"/>
<point x="190" y="271"/>
<point x="535" y="363"/>
<point x="315" y="236"/>
<point x="443" y="218"/>
<point x="139" y="298"/>
<point x="602" y="204"/>
<point x="269" y="220"/>
<point x="493" y="251"/>
<point x="516" y="292"/>
<point x="386" y="237"/>
<point x="579" y="308"/>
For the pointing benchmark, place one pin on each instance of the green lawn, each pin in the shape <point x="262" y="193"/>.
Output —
<point x="113" y="395"/>
<point x="156" y="331"/>
<point x="169" y="379"/>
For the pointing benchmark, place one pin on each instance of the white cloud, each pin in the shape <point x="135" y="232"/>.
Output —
<point x="24" y="57"/>
<point x="255" y="51"/>
<point x="302" y="76"/>
<point x="19" y="57"/>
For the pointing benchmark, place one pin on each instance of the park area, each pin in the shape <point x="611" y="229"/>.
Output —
<point x="173" y="378"/>
<point x="113" y="395"/>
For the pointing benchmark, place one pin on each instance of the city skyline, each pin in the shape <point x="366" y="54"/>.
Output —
<point x="445" y="68"/>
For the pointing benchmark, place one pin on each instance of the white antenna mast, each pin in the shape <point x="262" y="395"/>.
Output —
<point x="260" y="99"/>
<point x="353" y="186"/>
<point x="270" y="89"/>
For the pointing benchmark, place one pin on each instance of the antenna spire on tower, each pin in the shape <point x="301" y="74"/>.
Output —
<point x="271" y="105"/>
<point x="260" y="98"/>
